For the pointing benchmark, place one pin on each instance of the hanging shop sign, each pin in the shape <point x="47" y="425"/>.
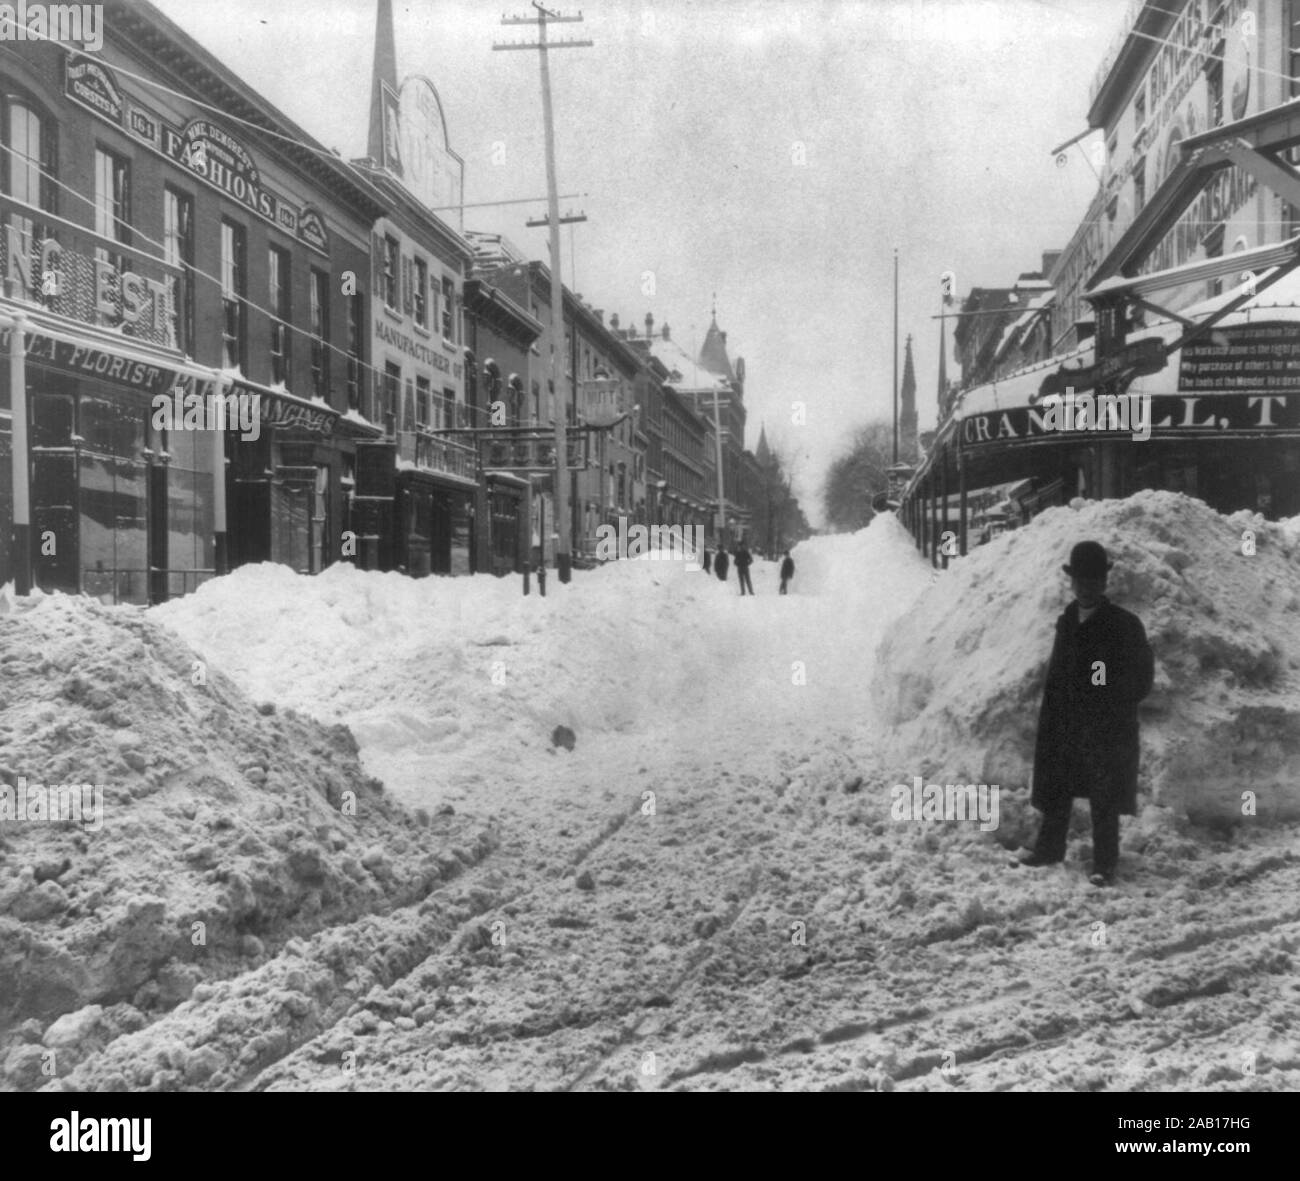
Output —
<point x="202" y="146"/>
<point x="531" y="449"/>
<point x="1136" y="358"/>
<point x="1249" y="357"/>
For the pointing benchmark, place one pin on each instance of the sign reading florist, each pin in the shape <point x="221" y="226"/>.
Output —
<point x="204" y="147"/>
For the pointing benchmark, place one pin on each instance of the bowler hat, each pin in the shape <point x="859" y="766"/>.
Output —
<point x="1088" y="560"/>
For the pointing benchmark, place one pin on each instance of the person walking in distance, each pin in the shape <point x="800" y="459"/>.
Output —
<point x="743" y="562"/>
<point x="720" y="564"/>
<point x="787" y="571"/>
<point x="1087" y="746"/>
<point x="707" y="559"/>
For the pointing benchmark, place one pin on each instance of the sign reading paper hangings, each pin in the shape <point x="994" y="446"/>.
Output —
<point x="202" y="146"/>
<point x="1249" y="357"/>
<point x="1134" y="359"/>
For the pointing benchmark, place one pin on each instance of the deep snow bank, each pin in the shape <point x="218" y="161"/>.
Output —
<point x="213" y="832"/>
<point x="961" y="675"/>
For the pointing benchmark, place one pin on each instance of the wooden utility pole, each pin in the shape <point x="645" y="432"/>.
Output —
<point x="563" y="555"/>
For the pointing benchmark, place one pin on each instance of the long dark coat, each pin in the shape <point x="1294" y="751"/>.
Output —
<point x="720" y="564"/>
<point x="1088" y="733"/>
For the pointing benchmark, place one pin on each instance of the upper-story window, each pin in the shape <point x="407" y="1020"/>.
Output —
<point x="392" y="264"/>
<point x="278" y="288"/>
<point x="421" y="297"/>
<point x="448" y="308"/>
<point x="1140" y="109"/>
<point x="234" y="280"/>
<point x="28" y="167"/>
<point x="1139" y="184"/>
<point x="178" y="249"/>
<point x="112" y="203"/>
<point x="318" y="295"/>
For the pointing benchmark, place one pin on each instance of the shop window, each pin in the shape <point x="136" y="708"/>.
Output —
<point x="178" y="249"/>
<point x="319" y="556"/>
<point x="318" y="294"/>
<point x="392" y="261"/>
<point x="234" y="278"/>
<point x="356" y="356"/>
<point x="421" y="292"/>
<point x="191" y="517"/>
<point x="278" y="288"/>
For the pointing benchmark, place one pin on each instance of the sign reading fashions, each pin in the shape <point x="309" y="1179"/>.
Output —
<point x="1250" y="357"/>
<point x="203" y="146"/>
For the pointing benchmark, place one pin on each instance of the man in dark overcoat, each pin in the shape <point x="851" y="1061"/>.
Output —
<point x="720" y="564"/>
<point x="1101" y="667"/>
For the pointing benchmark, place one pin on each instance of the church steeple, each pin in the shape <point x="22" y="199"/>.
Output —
<point x="383" y="75"/>
<point x="907" y="410"/>
<point x="762" y="452"/>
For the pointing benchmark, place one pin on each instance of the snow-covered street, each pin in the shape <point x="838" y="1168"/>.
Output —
<point x="707" y="891"/>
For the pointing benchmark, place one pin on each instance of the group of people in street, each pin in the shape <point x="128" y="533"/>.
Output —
<point x="742" y="559"/>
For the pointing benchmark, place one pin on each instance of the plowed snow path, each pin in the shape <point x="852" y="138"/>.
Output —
<point x="765" y="924"/>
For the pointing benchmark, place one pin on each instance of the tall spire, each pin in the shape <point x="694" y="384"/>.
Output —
<point x="383" y="75"/>
<point x="713" y="353"/>
<point x="907" y="399"/>
<point x="762" y="452"/>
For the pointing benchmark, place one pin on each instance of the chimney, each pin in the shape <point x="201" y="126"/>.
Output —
<point x="631" y="331"/>
<point x="649" y="324"/>
<point x="599" y="313"/>
<point x="665" y="331"/>
<point x="613" y="321"/>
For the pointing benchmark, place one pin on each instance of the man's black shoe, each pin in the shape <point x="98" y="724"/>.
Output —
<point x="1035" y="861"/>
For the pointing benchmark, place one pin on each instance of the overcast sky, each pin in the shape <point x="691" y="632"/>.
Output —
<point x="775" y="152"/>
